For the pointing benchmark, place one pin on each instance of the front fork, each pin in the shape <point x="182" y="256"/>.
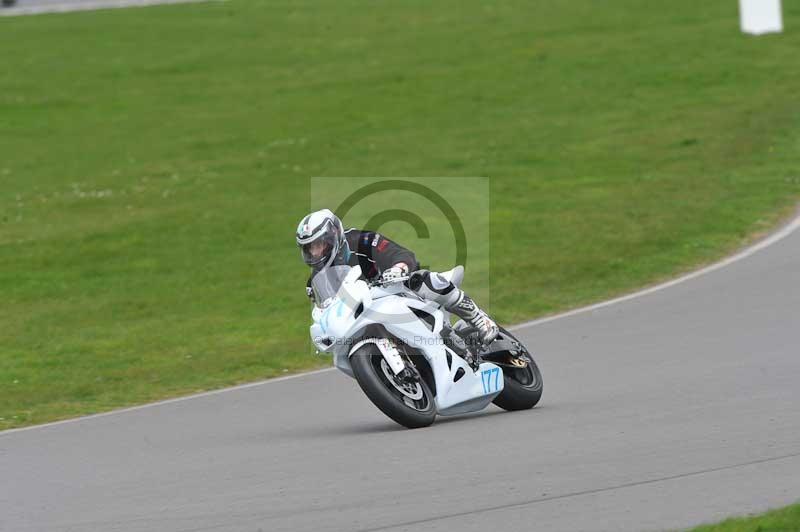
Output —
<point x="392" y="356"/>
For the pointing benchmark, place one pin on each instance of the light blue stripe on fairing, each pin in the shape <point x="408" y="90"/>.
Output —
<point x="323" y="321"/>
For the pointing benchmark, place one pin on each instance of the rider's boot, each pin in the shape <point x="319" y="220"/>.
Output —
<point x="435" y="287"/>
<point x="465" y="308"/>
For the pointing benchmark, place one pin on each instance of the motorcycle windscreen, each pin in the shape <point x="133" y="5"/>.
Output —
<point x="326" y="284"/>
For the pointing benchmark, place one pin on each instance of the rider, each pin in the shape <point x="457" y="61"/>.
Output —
<point x="324" y="242"/>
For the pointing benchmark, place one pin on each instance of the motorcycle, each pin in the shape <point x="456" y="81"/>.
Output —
<point x="407" y="357"/>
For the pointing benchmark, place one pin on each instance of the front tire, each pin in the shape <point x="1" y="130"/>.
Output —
<point x="411" y="406"/>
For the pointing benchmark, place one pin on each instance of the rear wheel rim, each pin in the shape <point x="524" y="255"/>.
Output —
<point x="525" y="376"/>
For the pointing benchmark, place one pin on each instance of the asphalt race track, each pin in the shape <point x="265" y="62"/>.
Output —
<point x="662" y="411"/>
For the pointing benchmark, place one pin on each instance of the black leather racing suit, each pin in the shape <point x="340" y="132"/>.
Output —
<point x="376" y="253"/>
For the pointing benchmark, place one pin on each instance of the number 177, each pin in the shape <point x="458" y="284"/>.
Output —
<point x="486" y="377"/>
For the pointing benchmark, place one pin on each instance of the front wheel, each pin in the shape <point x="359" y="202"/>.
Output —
<point x="523" y="384"/>
<point x="409" y="404"/>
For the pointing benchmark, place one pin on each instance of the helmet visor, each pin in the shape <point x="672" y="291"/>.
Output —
<point x="319" y="250"/>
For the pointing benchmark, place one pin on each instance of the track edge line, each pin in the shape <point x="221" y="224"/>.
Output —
<point x="773" y="238"/>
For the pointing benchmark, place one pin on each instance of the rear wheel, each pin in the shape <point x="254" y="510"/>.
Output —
<point x="410" y="404"/>
<point x="522" y="383"/>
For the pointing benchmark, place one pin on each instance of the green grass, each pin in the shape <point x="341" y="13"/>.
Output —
<point x="154" y="164"/>
<point x="782" y="520"/>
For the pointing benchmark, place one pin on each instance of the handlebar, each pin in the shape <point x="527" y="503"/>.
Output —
<point x="379" y="282"/>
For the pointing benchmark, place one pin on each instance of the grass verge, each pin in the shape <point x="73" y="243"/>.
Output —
<point x="781" y="520"/>
<point x="155" y="163"/>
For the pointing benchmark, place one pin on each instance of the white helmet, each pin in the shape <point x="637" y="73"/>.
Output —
<point x="320" y="237"/>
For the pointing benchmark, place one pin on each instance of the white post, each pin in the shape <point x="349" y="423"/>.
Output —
<point x="760" y="16"/>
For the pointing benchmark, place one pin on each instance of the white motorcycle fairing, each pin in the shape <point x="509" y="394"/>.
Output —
<point x="356" y="306"/>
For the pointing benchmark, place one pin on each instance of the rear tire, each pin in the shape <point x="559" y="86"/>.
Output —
<point x="522" y="386"/>
<point x="366" y="363"/>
